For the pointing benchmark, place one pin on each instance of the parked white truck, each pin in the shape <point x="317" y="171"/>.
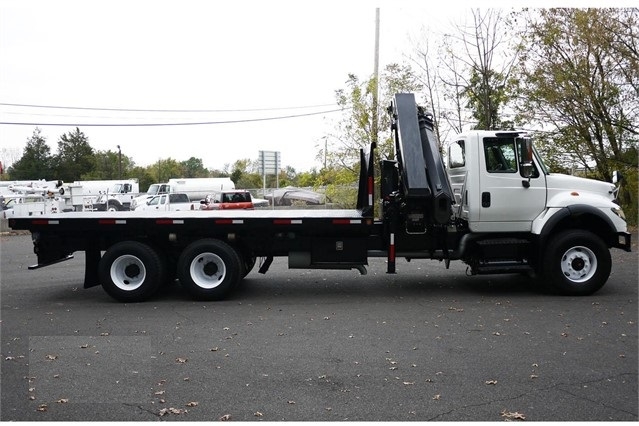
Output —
<point x="495" y="207"/>
<point x="102" y="195"/>
<point x="168" y="202"/>
<point x="195" y="188"/>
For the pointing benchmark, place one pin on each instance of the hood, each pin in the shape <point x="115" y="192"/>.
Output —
<point x="561" y="185"/>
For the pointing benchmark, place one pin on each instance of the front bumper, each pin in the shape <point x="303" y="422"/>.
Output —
<point x="624" y="241"/>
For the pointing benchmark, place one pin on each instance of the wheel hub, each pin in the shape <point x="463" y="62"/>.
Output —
<point x="128" y="272"/>
<point x="579" y="264"/>
<point x="132" y="270"/>
<point x="208" y="270"/>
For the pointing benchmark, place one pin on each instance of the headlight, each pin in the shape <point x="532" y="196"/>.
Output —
<point x="619" y="212"/>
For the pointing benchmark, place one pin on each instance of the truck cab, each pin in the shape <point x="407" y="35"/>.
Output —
<point x="501" y="184"/>
<point x="492" y="189"/>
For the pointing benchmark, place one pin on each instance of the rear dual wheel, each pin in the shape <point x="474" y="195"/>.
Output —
<point x="209" y="269"/>
<point x="131" y="271"/>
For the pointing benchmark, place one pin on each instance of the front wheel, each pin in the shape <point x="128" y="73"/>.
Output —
<point x="577" y="263"/>
<point x="131" y="271"/>
<point x="112" y="206"/>
<point x="209" y="269"/>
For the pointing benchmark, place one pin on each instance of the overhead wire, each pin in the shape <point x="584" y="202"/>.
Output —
<point x="163" y="110"/>
<point x="172" y="123"/>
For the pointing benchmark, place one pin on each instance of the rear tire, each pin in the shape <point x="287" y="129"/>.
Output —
<point x="209" y="269"/>
<point x="577" y="263"/>
<point x="131" y="271"/>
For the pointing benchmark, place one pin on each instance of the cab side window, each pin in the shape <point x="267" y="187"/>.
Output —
<point x="500" y="155"/>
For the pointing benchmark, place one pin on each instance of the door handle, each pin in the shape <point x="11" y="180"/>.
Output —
<point x="485" y="199"/>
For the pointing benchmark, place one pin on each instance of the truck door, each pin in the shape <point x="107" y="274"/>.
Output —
<point x="508" y="201"/>
<point x="163" y="202"/>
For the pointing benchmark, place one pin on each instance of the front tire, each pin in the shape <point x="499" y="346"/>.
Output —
<point x="209" y="269"/>
<point x="131" y="271"/>
<point x="112" y="206"/>
<point x="577" y="263"/>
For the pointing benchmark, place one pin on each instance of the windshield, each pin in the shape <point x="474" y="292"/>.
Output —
<point x="153" y="189"/>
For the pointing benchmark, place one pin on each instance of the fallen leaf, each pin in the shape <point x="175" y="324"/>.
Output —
<point x="192" y="404"/>
<point x="258" y="414"/>
<point x="491" y="382"/>
<point x="181" y="360"/>
<point x="291" y="402"/>
<point x="84" y="346"/>
<point x="512" y="416"/>
<point x="159" y="392"/>
<point x="409" y="383"/>
<point x="51" y="357"/>
<point x="10" y="358"/>
<point x="437" y="397"/>
<point x="225" y="418"/>
<point x="171" y="410"/>
<point x="62" y="401"/>
<point x="42" y="407"/>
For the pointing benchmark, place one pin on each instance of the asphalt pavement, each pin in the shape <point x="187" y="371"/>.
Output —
<point x="425" y="344"/>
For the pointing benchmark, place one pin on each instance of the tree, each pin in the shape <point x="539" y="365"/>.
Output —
<point x="144" y="175"/>
<point x="74" y="158"/>
<point x="430" y="79"/>
<point x="482" y="74"/>
<point x="577" y="81"/>
<point x="194" y="168"/>
<point x="106" y="166"/>
<point x="355" y="129"/>
<point x="166" y="169"/>
<point x="36" y="160"/>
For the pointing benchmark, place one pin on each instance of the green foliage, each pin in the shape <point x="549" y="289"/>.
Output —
<point x="74" y="157"/>
<point x="166" y="169"/>
<point x="486" y="94"/>
<point x="307" y="179"/>
<point x="144" y="176"/>
<point x="355" y="130"/>
<point x="194" y="168"/>
<point x="36" y="160"/>
<point x="577" y="78"/>
<point x="106" y="166"/>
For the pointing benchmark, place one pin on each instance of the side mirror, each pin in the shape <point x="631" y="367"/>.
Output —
<point x="527" y="169"/>
<point x="616" y="177"/>
<point x="526" y="158"/>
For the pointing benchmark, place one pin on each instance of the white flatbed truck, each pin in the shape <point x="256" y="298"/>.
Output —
<point x="495" y="207"/>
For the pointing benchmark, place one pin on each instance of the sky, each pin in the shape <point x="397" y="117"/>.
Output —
<point x="257" y="75"/>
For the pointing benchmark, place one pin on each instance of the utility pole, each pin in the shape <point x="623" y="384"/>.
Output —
<point x="119" y="162"/>
<point x="375" y="120"/>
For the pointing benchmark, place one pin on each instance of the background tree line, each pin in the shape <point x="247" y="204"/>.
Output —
<point x="570" y="77"/>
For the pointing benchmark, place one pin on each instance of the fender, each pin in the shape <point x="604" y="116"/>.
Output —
<point x="576" y="210"/>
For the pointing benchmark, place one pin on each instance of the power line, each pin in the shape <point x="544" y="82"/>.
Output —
<point x="201" y="123"/>
<point x="164" y="110"/>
